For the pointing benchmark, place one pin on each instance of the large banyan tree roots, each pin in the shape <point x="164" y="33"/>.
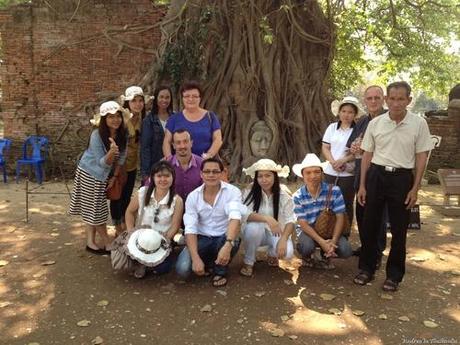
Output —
<point x="261" y="60"/>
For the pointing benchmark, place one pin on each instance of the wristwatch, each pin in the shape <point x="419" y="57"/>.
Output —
<point x="232" y="242"/>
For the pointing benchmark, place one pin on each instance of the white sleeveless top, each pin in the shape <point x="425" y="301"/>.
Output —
<point x="164" y="213"/>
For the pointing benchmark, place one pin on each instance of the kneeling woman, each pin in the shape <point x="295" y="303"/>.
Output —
<point x="157" y="207"/>
<point x="270" y="220"/>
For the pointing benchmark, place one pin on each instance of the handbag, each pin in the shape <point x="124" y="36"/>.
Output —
<point x="114" y="192"/>
<point x="325" y="222"/>
<point x="119" y="257"/>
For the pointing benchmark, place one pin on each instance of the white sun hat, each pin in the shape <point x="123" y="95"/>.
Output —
<point x="310" y="160"/>
<point x="267" y="164"/>
<point x="110" y="107"/>
<point x="148" y="247"/>
<point x="335" y="105"/>
<point x="133" y="91"/>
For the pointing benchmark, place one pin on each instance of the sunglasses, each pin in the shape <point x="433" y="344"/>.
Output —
<point x="156" y="219"/>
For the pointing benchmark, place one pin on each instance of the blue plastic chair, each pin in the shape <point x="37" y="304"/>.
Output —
<point x="36" y="159"/>
<point x="5" y="145"/>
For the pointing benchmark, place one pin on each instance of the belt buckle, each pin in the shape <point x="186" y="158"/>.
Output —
<point x="390" y="169"/>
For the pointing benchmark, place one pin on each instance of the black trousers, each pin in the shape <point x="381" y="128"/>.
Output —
<point x="118" y="207"/>
<point x="345" y="184"/>
<point x="388" y="188"/>
<point x="382" y="236"/>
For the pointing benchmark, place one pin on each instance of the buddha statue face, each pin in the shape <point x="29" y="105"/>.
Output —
<point x="260" y="139"/>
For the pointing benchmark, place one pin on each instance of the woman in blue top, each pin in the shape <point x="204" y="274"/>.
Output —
<point x="106" y="150"/>
<point x="202" y="124"/>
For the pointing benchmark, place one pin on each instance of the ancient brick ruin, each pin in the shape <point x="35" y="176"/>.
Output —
<point x="60" y="61"/>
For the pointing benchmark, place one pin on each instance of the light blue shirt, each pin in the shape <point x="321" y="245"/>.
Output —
<point x="308" y="208"/>
<point x="201" y="218"/>
<point x="93" y="159"/>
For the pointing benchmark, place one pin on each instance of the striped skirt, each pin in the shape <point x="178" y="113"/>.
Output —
<point x="89" y="199"/>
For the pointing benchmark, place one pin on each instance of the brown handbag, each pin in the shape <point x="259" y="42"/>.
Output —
<point x="325" y="222"/>
<point x="114" y="192"/>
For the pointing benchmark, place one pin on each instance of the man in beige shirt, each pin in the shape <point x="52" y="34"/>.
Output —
<point x="396" y="146"/>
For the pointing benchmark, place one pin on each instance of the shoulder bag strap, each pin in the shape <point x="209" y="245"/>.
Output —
<point x="329" y="195"/>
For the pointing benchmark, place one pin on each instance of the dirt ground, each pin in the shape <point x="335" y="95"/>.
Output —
<point x="53" y="292"/>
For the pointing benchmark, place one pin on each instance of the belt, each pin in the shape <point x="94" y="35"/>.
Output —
<point x="390" y="169"/>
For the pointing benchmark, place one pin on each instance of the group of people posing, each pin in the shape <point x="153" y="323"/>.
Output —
<point x="380" y="157"/>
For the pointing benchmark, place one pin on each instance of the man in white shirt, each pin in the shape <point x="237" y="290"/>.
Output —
<point x="212" y="224"/>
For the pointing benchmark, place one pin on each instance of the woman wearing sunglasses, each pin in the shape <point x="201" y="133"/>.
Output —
<point x="159" y="208"/>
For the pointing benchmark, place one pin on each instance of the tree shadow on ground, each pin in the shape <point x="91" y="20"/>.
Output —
<point x="50" y="284"/>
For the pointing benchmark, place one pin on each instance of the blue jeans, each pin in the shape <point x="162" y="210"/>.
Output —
<point x="208" y="248"/>
<point x="306" y="246"/>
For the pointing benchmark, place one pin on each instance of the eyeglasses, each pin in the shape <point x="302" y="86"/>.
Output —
<point x="209" y="172"/>
<point x="191" y="96"/>
<point x="375" y="98"/>
<point x="156" y="219"/>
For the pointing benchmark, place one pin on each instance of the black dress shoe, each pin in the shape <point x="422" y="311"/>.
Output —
<point x="97" y="251"/>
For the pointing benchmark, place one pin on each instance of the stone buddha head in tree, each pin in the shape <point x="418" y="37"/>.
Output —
<point x="260" y="139"/>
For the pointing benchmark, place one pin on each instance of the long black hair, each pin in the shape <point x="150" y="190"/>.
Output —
<point x="120" y="137"/>
<point x="126" y="106"/>
<point x="255" y="195"/>
<point x="158" y="167"/>
<point x="169" y="109"/>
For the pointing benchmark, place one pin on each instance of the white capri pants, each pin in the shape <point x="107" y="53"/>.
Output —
<point x="255" y="235"/>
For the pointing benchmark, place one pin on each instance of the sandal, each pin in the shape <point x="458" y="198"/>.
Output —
<point x="308" y="262"/>
<point x="362" y="278"/>
<point x="219" y="281"/>
<point x="390" y="285"/>
<point x="139" y="272"/>
<point x="272" y="261"/>
<point x="324" y="264"/>
<point x="247" y="270"/>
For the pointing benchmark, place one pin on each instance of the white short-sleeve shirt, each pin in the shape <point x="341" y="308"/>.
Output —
<point x="395" y="144"/>
<point x="337" y="138"/>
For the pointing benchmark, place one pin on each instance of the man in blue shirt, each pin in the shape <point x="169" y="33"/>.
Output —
<point x="309" y="201"/>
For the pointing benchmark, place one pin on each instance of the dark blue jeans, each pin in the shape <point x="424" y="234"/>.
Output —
<point x="208" y="249"/>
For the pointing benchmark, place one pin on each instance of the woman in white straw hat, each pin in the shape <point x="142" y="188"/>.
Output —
<point x="270" y="219"/>
<point x="158" y="207"/>
<point x="309" y="200"/>
<point x="134" y="100"/>
<point x="339" y="169"/>
<point x="106" y="151"/>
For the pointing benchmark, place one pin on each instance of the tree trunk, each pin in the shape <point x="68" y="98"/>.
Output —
<point x="264" y="67"/>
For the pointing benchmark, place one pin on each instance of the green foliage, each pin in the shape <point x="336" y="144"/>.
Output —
<point x="6" y="3"/>
<point x="397" y="39"/>
<point x="184" y="57"/>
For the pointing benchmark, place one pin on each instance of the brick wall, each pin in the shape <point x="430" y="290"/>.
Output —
<point x="448" y="127"/>
<point x="57" y="60"/>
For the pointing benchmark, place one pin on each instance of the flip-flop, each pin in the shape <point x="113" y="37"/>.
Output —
<point x="247" y="270"/>
<point x="390" y="285"/>
<point x="362" y="278"/>
<point x="218" y="281"/>
<point x="98" y="251"/>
